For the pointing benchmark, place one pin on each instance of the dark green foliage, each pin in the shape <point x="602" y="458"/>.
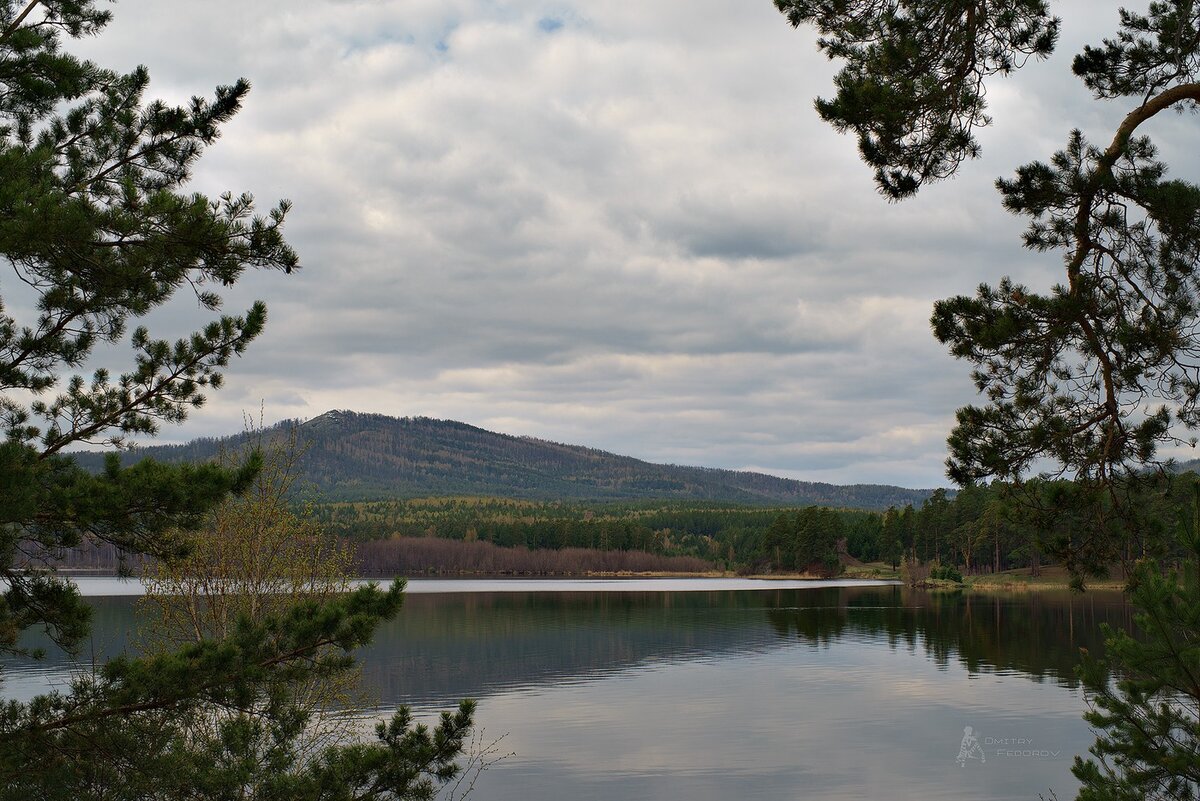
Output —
<point x="355" y="457"/>
<point x="1148" y="717"/>
<point x="176" y="725"/>
<point x="725" y="536"/>
<point x="945" y="573"/>
<point x="990" y="528"/>
<point x="1069" y="374"/>
<point x="436" y="556"/>
<point x="979" y="529"/>
<point x="1093" y="375"/>
<point x="1151" y="52"/>
<point x="912" y="87"/>
<point x="732" y="536"/>
<point x="51" y="505"/>
<point x="806" y="541"/>
<point x="94" y="220"/>
<point x="1084" y="381"/>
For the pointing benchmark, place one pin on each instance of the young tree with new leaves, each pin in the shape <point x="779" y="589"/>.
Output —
<point x="97" y="231"/>
<point x="255" y="557"/>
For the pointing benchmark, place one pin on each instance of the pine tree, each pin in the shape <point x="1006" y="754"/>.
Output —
<point x="1145" y="693"/>
<point x="1094" y="375"/>
<point x="95" y="222"/>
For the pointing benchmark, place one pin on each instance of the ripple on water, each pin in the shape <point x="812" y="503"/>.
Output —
<point x="822" y="692"/>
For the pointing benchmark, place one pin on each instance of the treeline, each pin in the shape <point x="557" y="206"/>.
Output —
<point x="726" y="536"/>
<point x="976" y="530"/>
<point x="1000" y="527"/>
<point x="90" y="556"/>
<point x="414" y="556"/>
<point x="808" y="541"/>
<point x="569" y="539"/>
<point x="979" y="529"/>
<point x="423" y="556"/>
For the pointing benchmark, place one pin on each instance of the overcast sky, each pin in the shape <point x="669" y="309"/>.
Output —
<point x="616" y="224"/>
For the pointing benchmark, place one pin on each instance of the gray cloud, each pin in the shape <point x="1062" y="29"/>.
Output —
<point x="615" y="224"/>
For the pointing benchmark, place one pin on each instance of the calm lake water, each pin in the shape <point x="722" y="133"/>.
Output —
<point x="726" y="689"/>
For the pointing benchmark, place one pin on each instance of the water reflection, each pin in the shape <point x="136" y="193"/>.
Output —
<point x="833" y="693"/>
<point x="447" y="646"/>
<point x="1037" y="634"/>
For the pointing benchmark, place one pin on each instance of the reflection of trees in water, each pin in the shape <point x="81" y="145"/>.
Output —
<point x="113" y="631"/>
<point x="445" y="647"/>
<point x="1038" y="634"/>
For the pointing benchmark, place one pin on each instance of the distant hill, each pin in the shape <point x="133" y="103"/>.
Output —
<point x="1190" y="466"/>
<point x="354" y="456"/>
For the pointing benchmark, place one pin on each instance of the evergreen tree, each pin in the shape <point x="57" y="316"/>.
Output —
<point x="1094" y="375"/>
<point x="829" y="530"/>
<point x="935" y="525"/>
<point x="805" y="538"/>
<point x="777" y="539"/>
<point x="95" y="222"/>
<point x="1067" y="374"/>
<point x="891" y="538"/>
<point x="912" y="88"/>
<point x="1148" y="719"/>
<point x="864" y="537"/>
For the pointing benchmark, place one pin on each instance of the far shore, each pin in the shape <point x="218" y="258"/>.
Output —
<point x="599" y="574"/>
<point x="1048" y="577"/>
<point x="1019" y="580"/>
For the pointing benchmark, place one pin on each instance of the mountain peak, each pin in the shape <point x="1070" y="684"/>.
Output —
<point x="358" y="456"/>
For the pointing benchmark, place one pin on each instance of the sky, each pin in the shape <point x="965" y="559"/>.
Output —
<point x="612" y="224"/>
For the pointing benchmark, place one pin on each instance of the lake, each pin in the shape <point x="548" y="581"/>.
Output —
<point x="720" y="689"/>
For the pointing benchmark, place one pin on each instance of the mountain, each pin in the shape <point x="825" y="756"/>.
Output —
<point x="352" y="456"/>
<point x="1190" y="466"/>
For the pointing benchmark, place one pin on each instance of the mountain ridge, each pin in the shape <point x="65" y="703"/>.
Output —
<point x="364" y="456"/>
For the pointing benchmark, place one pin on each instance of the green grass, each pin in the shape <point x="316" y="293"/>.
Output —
<point x="871" y="570"/>
<point x="1050" y="578"/>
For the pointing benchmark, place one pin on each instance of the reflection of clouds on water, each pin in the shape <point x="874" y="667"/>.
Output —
<point x="818" y="693"/>
<point x="857" y="722"/>
<point x="21" y="685"/>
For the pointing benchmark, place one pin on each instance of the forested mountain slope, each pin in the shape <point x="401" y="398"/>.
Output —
<point x="352" y="456"/>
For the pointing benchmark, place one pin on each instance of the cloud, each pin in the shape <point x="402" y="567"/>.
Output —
<point x="614" y="224"/>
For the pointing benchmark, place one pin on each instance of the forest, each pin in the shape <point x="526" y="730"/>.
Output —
<point x="976" y="530"/>
<point x="979" y="529"/>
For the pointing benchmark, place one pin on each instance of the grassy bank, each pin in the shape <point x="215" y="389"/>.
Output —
<point x="871" y="570"/>
<point x="1022" y="579"/>
<point x="1048" y="578"/>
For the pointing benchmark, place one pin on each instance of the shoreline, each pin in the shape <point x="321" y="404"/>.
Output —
<point x="1020" y="581"/>
<point x="605" y="574"/>
<point x="1051" y="578"/>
